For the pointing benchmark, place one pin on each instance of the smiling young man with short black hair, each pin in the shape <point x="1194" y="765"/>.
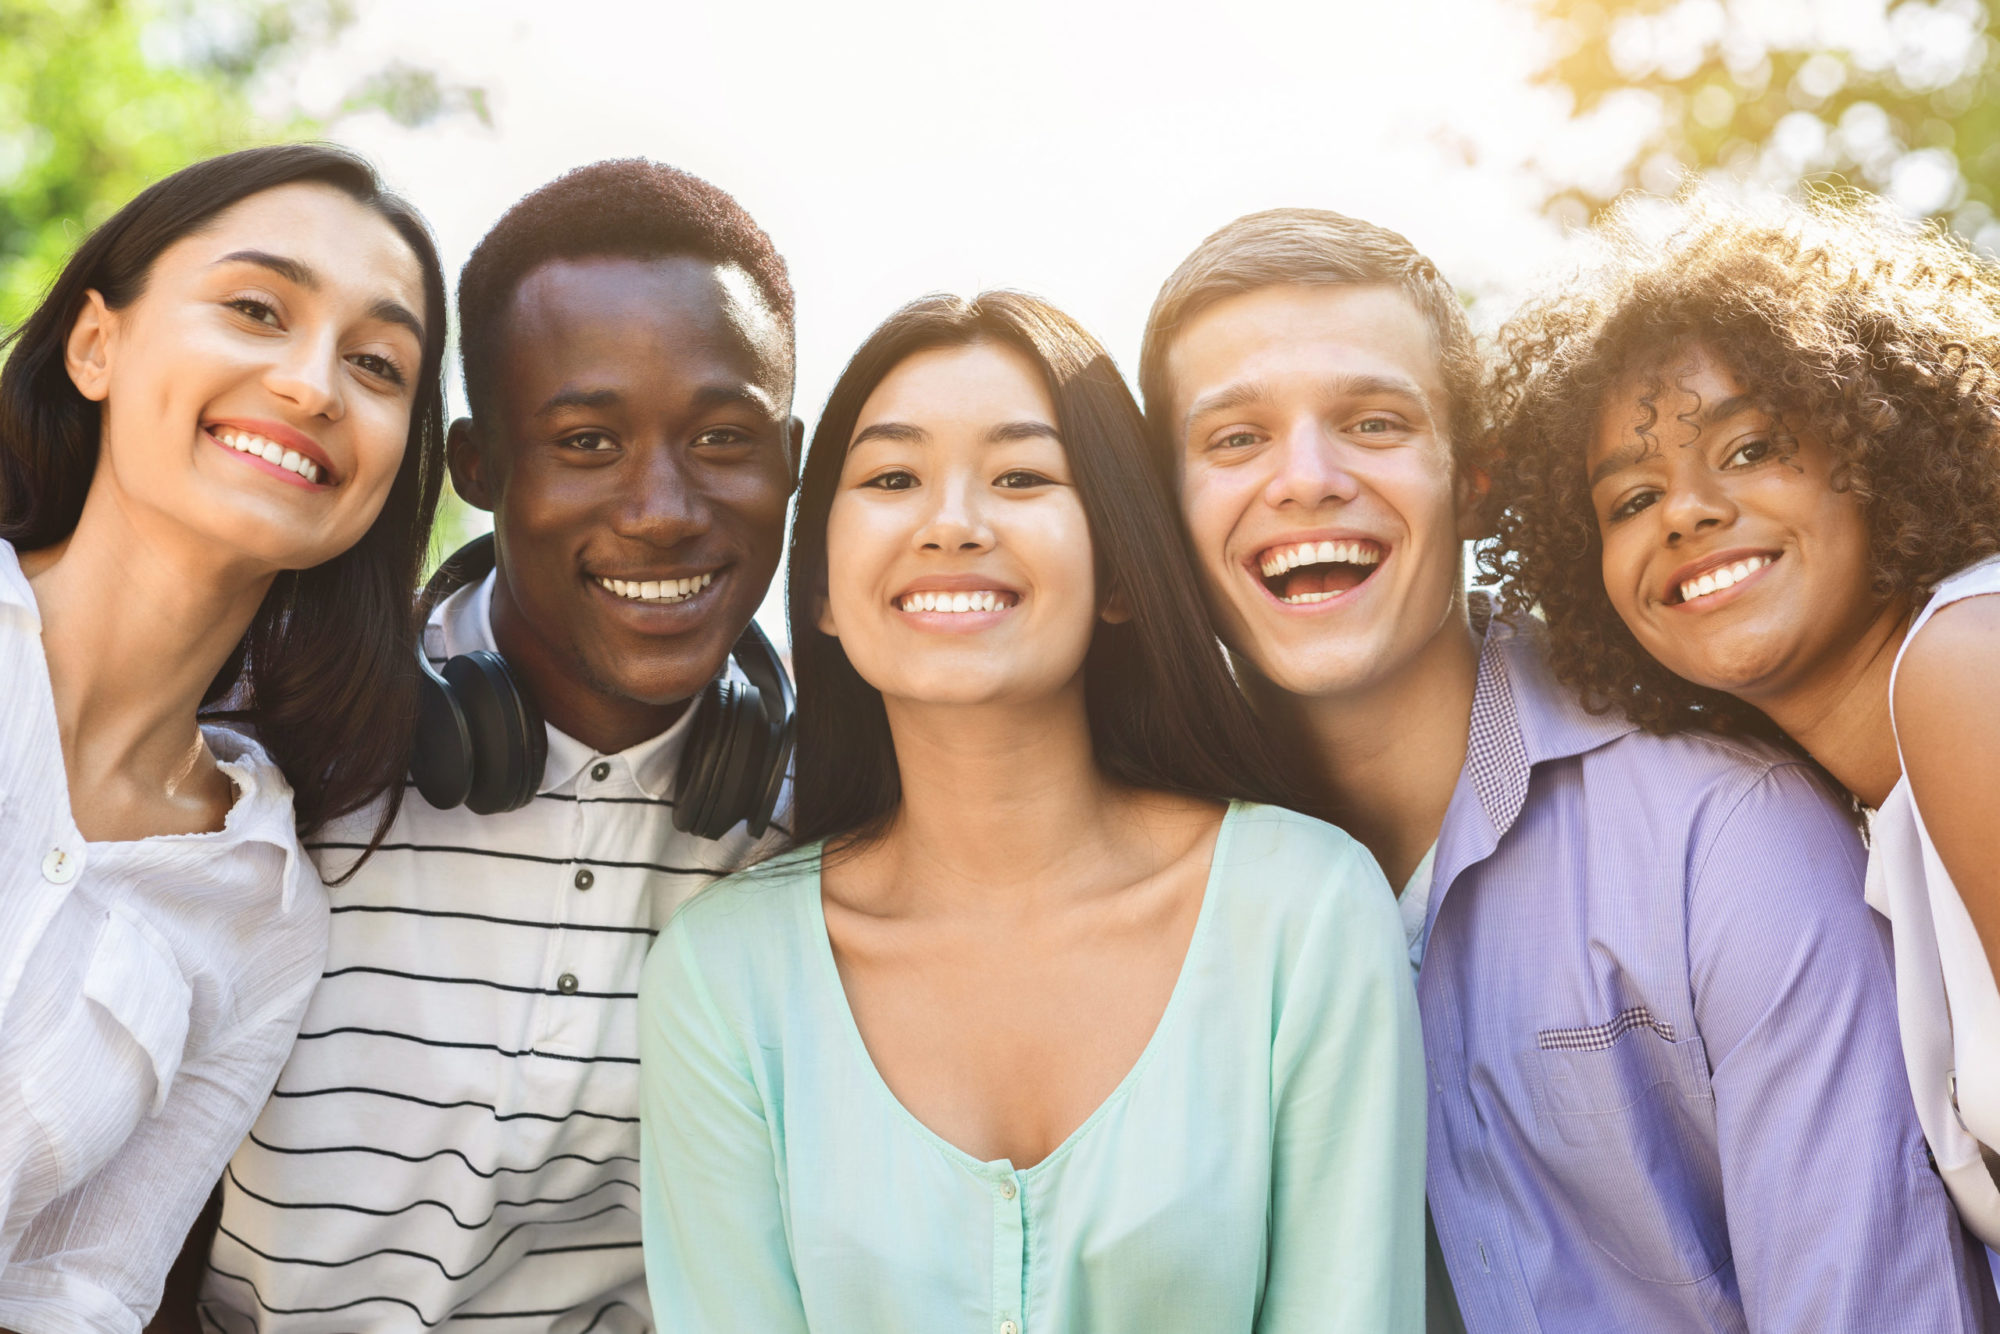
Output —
<point x="1659" y="1027"/>
<point x="455" y="1142"/>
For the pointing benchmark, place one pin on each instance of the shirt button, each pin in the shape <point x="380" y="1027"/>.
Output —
<point x="584" y="879"/>
<point x="600" y="771"/>
<point x="1006" y="1190"/>
<point x="566" y="984"/>
<point x="58" y="868"/>
<point x="1009" y="1327"/>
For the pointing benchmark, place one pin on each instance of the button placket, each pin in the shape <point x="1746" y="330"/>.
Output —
<point x="1010" y="1252"/>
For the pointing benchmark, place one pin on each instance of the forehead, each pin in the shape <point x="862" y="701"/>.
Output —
<point x="673" y="319"/>
<point x="971" y="386"/>
<point x="1276" y="335"/>
<point x="1661" y="395"/>
<point x="347" y="245"/>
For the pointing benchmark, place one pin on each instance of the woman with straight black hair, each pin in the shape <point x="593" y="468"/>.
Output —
<point x="221" y="442"/>
<point x="1049" y="1025"/>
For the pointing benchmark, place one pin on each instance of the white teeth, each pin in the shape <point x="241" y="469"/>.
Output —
<point x="270" y="451"/>
<point x="983" y="600"/>
<point x="1280" y="559"/>
<point x="657" y="590"/>
<point x="1729" y="575"/>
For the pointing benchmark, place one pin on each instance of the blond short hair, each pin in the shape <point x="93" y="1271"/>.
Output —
<point x="1310" y="247"/>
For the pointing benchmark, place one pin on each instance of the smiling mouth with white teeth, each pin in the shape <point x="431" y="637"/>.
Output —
<point x="245" y="442"/>
<point x="1714" y="581"/>
<point x="984" y="599"/>
<point x="657" y="591"/>
<point x="1308" y="572"/>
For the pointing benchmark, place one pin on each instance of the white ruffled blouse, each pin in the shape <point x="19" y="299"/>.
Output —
<point x="149" y="991"/>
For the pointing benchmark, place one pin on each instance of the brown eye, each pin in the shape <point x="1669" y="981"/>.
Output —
<point x="899" y="480"/>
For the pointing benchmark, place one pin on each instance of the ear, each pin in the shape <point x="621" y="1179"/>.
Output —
<point x="87" y="354"/>
<point x="823" y="617"/>
<point x="471" y="476"/>
<point x="1114" y="611"/>
<point x="1473" y="485"/>
<point x="795" y="436"/>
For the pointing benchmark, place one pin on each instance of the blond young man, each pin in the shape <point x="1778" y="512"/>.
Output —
<point x="1659" y="1022"/>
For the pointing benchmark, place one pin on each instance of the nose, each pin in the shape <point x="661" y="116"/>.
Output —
<point x="956" y="520"/>
<point x="1311" y="471"/>
<point x="308" y="374"/>
<point x="1694" y="503"/>
<point x="661" y="503"/>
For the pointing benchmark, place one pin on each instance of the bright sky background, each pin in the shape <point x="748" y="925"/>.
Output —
<point x="1074" y="149"/>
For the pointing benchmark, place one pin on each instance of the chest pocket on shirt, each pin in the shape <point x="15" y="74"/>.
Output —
<point x="133" y="976"/>
<point x="1629" y="1133"/>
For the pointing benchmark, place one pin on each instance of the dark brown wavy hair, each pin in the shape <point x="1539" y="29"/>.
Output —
<point x="1165" y="714"/>
<point x="326" y="674"/>
<point x="1876" y="335"/>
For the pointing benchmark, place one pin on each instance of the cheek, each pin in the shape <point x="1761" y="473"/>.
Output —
<point x="1622" y="561"/>
<point x="1212" y="503"/>
<point x="854" y="540"/>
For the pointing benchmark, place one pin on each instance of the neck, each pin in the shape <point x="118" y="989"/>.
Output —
<point x="136" y="622"/>
<point x="997" y="800"/>
<point x="1387" y="756"/>
<point x="1840" y="712"/>
<point x="603" y="720"/>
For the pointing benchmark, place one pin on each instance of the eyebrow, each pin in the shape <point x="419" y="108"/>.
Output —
<point x="1619" y="459"/>
<point x="1026" y="429"/>
<point x="1245" y="392"/>
<point x="1636" y="451"/>
<point x="301" y="274"/>
<point x="705" y="398"/>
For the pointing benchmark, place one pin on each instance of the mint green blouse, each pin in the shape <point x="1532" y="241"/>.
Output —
<point x="1260" y="1168"/>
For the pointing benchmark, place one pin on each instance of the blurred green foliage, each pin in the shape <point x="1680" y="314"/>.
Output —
<point x="1897" y="96"/>
<point x="99" y="98"/>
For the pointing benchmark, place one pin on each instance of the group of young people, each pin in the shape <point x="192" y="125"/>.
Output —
<point x="1191" y="910"/>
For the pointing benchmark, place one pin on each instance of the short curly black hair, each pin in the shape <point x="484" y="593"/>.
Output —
<point x="623" y="206"/>
<point x="1877" y="335"/>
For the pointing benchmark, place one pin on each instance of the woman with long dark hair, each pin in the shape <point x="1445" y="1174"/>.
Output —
<point x="221" y="441"/>
<point x="1049" y="1025"/>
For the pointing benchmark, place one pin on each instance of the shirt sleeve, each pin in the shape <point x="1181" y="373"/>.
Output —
<point x="717" y="1257"/>
<point x="1347" y="1169"/>
<point x="1836" y="1220"/>
<point x="97" y="1257"/>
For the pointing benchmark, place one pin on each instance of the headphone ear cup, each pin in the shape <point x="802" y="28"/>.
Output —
<point x="441" y="760"/>
<point x="776" y="770"/>
<point x="694" y="778"/>
<point x="509" y="744"/>
<point x="742" y="745"/>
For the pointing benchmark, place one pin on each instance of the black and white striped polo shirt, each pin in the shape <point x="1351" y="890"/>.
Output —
<point x="454" y="1141"/>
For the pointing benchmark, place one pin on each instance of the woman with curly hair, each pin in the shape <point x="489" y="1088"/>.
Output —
<point x="1751" y="477"/>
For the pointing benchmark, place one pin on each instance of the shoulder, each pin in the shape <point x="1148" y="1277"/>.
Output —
<point x="745" y="927"/>
<point x="1945" y="676"/>
<point x="1284" y="871"/>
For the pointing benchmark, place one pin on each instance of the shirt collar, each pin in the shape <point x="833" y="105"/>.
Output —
<point x="262" y="811"/>
<point x="464" y="622"/>
<point x="17" y="597"/>
<point x="1523" y="716"/>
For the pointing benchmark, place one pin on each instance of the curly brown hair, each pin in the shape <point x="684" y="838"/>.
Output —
<point x="1878" y="336"/>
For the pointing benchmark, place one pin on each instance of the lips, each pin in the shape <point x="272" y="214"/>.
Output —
<point x="278" y="445"/>
<point x="1309" y="570"/>
<point x="1692" y="584"/>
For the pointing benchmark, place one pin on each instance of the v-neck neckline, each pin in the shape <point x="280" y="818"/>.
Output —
<point x="813" y="905"/>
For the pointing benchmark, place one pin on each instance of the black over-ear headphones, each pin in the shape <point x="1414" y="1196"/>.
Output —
<point x="480" y="740"/>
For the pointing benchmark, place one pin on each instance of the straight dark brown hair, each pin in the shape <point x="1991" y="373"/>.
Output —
<point x="325" y="676"/>
<point x="1165" y="714"/>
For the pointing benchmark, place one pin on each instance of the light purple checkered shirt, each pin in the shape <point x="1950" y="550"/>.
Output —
<point x="1667" y="1091"/>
